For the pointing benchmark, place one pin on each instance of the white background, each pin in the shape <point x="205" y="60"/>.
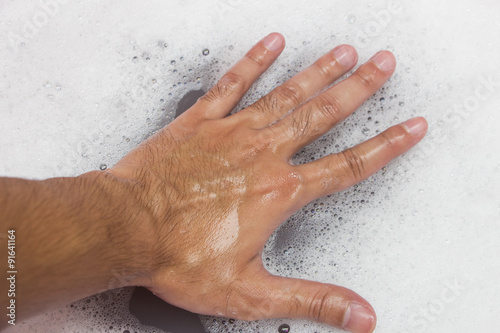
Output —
<point x="419" y="240"/>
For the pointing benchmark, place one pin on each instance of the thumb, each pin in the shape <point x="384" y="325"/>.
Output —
<point x="321" y="302"/>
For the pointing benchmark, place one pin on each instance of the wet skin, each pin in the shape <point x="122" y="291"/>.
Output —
<point x="187" y="213"/>
<point x="216" y="187"/>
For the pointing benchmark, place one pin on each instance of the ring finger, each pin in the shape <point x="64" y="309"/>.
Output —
<point x="317" y="116"/>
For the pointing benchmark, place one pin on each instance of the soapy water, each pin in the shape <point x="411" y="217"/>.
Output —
<point x="85" y="82"/>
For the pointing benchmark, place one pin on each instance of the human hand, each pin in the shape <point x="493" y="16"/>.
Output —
<point x="211" y="189"/>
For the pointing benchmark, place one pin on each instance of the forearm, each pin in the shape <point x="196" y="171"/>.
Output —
<point x="72" y="240"/>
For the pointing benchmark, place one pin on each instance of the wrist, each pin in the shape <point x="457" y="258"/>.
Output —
<point x="126" y="236"/>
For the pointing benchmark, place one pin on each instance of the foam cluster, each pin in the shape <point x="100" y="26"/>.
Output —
<point x="84" y="82"/>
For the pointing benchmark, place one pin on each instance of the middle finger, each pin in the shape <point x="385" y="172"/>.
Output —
<point x="300" y="88"/>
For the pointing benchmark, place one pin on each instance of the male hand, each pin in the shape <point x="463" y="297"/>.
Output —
<point x="212" y="188"/>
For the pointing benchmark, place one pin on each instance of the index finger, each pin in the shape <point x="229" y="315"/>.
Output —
<point x="226" y="94"/>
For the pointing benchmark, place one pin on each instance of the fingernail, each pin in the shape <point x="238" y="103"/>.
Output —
<point x="273" y="42"/>
<point x="385" y="61"/>
<point x="345" y="55"/>
<point x="415" y="126"/>
<point x="359" y="319"/>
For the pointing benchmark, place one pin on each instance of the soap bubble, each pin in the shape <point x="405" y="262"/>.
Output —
<point x="284" y="328"/>
<point x="358" y="238"/>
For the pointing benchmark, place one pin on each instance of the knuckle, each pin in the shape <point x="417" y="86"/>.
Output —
<point x="256" y="58"/>
<point x="392" y="139"/>
<point x="325" y="69"/>
<point x="319" y="307"/>
<point x="233" y="82"/>
<point x="284" y="184"/>
<point x="330" y="107"/>
<point x="267" y="104"/>
<point x="289" y="185"/>
<point x="256" y="143"/>
<point x="228" y="84"/>
<point x="355" y="162"/>
<point x="210" y="96"/>
<point x="289" y="93"/>
<point x="366" y="76"/>
<point x="388" y="139"/>
<point x="242" y="304"/>
<point x="262" y="139"/>
<point x="330" y="180"/>
<point x="294" y="180"/>
<point x="302" y="124"/>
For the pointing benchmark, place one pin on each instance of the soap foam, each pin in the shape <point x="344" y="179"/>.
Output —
<point x="415" y="239"/>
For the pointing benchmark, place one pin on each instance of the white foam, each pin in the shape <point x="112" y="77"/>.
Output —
<point x="99" y="77"/>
